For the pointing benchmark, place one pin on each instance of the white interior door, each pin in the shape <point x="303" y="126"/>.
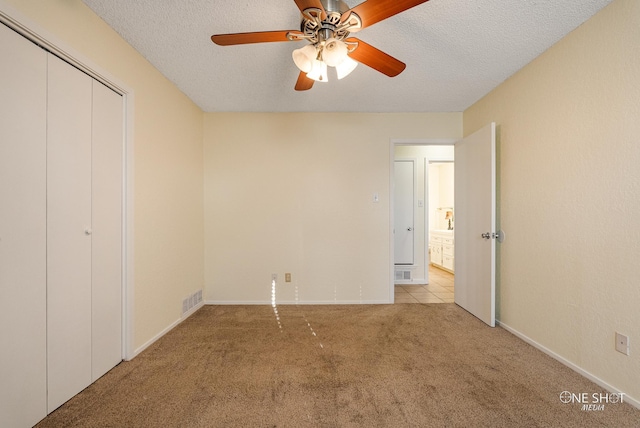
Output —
<point x="106" y="237"/>
<point x="475" y="202"/>
<point x="68" y="232"/>
<point x="404" y="181"/>
<point x="23" y="341"/>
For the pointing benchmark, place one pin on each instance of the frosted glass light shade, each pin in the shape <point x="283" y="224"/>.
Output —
<point x="334" y="52"/>
<point x="345" y="67"/>
<point x="303" y="58"/>
<point x="318" y="71"/>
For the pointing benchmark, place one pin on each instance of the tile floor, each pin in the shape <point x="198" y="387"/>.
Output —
<point x="439" y="289"/>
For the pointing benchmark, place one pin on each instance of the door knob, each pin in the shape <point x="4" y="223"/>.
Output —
<point x="409" y="229"/>
<point x="486" y="235"/>
<point x="87" y="231"/>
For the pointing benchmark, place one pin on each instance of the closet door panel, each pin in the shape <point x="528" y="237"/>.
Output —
<point x="68" y="231"/>
<point x="23" y="95"/>
<point x="107" y="229"/>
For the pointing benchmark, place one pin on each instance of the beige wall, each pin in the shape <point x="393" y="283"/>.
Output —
<point x="168" y="225"/>
<point x="569" y="151"/>
<point x="293" y="192"/>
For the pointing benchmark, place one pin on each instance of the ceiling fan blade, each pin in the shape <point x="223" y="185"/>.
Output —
<point x="306" y="4"/>
<point x="375" y="58"/>
<point x="372" y="11"/>
<point x="257" y="37"/>
<point x="303" y="83"/>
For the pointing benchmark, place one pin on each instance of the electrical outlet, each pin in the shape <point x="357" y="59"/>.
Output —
<point x="622" y="343"/>
<point x="287" y="277"/>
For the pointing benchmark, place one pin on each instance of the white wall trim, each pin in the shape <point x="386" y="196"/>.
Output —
<point x="414" y="281"/>
<point x="293" y="302"/>
<point x="627" y="398"/>
<point x="392" y="222"/>
<point x="50" y="42"/>
<point x="424" y="142"/>
<point x="128" y="268"/>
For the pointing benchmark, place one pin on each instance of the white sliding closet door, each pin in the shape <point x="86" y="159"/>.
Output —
<point x="68" y="231"/>
<point x="23" y="108"/>
<point x="107" y="230"/>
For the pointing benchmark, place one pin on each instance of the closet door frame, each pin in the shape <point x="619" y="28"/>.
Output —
<point x="34" y="32"/>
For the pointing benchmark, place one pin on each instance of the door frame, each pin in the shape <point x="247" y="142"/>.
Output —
<point x="29" y="29"/>
<point x="392" y="145"/>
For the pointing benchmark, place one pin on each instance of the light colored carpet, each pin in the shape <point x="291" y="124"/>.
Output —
<point x="338" y="366"/>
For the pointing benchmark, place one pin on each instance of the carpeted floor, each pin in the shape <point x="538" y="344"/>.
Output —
<point x="397" y="365"/>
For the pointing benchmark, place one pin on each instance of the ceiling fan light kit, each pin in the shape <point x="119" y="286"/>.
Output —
<point x="326" y="26"/>
<point x="318" y="71"/>
<point x="334" y="52"/>
<point x="345" y="67"/>
<point x="303" y="58"/>
<point x="314" y="59"/>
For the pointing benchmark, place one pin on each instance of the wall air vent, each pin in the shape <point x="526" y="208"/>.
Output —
<point x="403" y="275"/>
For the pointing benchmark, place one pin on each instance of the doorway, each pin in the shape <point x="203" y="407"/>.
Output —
<point x="426" y="156"/>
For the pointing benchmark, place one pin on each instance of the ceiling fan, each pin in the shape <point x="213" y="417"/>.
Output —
<point x="326" y="25"/>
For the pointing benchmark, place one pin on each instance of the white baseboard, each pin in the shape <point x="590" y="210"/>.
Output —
<point x="627" y="398"/>
<point x="414" y="281"/>
<point x="166" y="330"/>
<point x="293" y="302"/>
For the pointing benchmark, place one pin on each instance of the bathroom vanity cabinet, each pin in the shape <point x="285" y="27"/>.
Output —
<point x="441" y="249"/>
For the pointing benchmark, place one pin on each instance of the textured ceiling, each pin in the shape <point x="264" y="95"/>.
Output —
<point x="456" y="51"/>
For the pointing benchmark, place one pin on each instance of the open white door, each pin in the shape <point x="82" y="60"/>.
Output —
<point x="475" y="232"/>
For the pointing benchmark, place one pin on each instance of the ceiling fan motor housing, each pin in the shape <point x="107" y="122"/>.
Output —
<point x="316" y="30"/>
